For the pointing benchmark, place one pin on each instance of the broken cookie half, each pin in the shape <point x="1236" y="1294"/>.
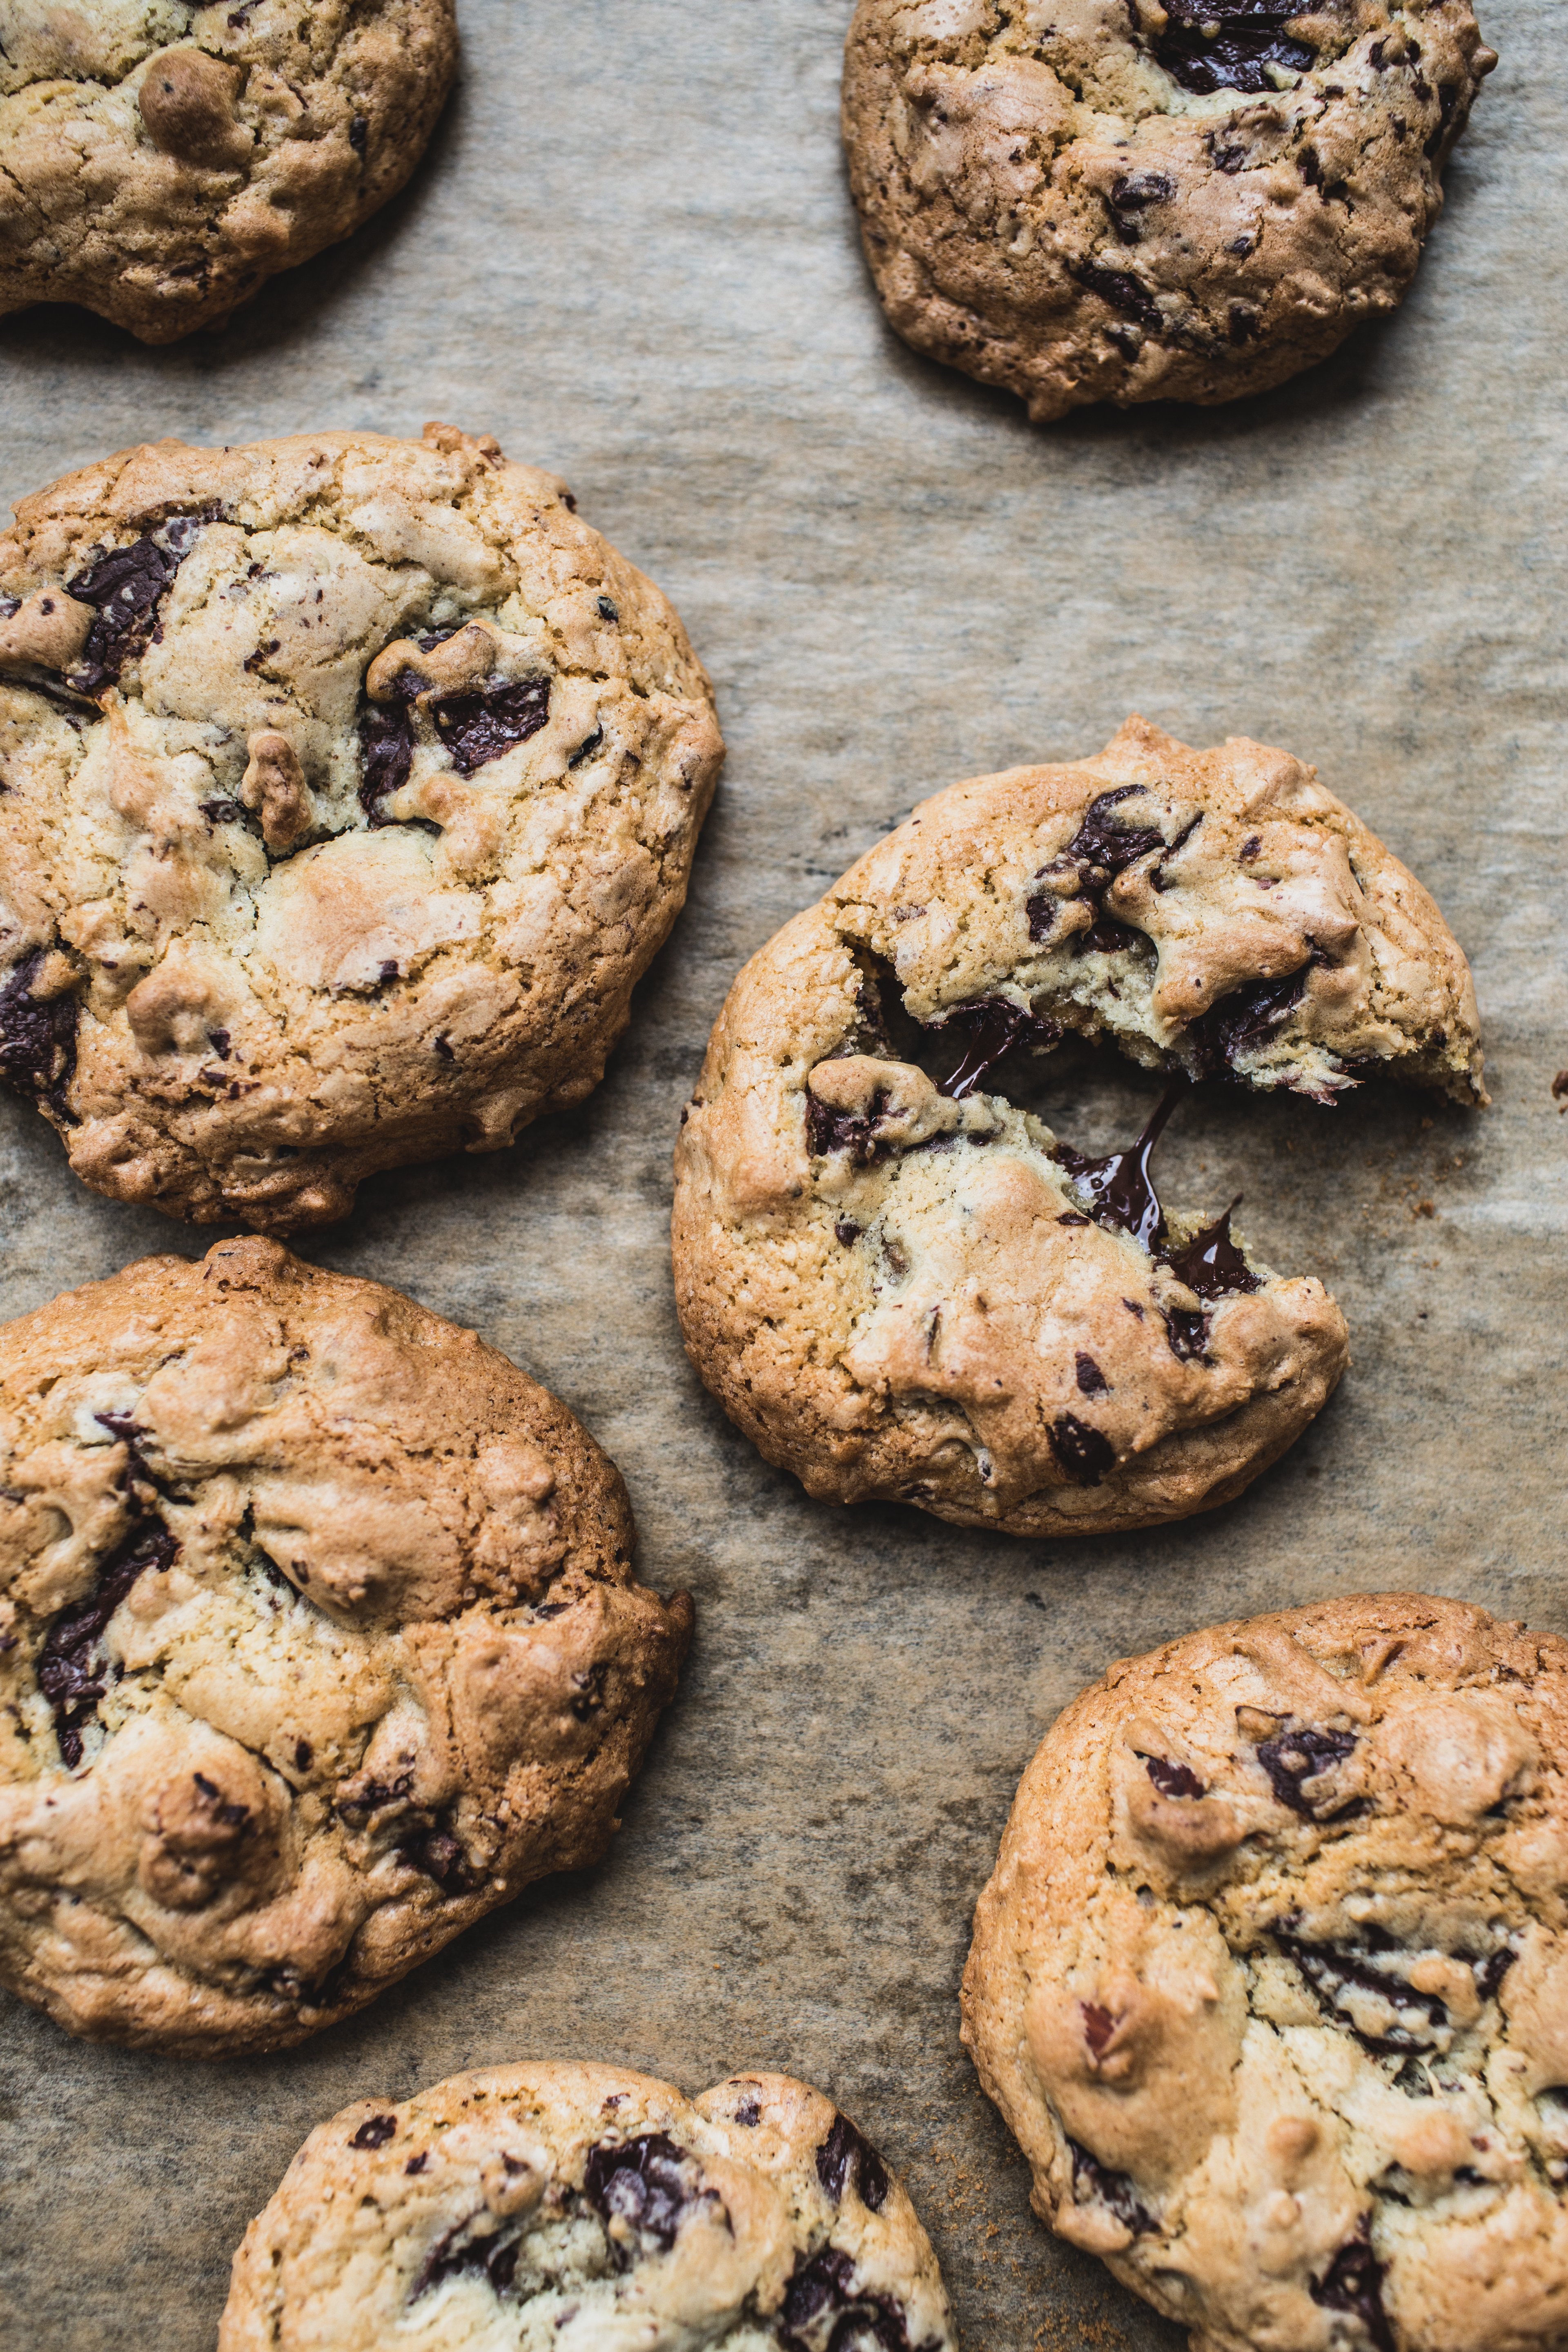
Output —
<point x="902" y="1285"/>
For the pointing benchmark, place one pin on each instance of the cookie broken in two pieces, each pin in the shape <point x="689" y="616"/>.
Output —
<point x="900" y="1285"/>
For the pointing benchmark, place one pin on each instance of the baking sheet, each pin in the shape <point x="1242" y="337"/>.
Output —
<point x="631" y="255"/>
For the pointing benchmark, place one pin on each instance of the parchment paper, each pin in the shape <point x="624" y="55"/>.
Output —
<point x="631" y="255"/>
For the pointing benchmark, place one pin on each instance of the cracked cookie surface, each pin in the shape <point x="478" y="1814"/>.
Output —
<point x="161" y="160"/>
<point x="577" y="2207"/>
<point x="1116" y="200"/>
<point x="900" y="1285"/>
<point x="351" y="786"/>
<point x="1271" y="1980"/>
<point x="321" y="1639"/>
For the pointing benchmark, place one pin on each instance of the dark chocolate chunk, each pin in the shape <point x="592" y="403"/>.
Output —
<point x="828" y="1130"/>
<point x="38" y="1039"/>
<point x="1354" y="2282"/>
<point x="1187" y="1334"/>
<point x="844" y="2152"/>
<point x="1133" y="300"/>
<point x="73" y="1673"/>
<point x="1171" y="1778"/>
<point x="493" y="2258"/>
<point x="1490" y="1972"/>
<point x="823" y="2312"/>
<point x="587" y="748"/>
<point x="1243" y="1020"/>
<point x="1092" y="1380"/>
<point x="1133" y="193"/>
<point x="1330" y="1969"/>
<point x="846" y="1232"/>
<point x="487" y="722"/>
<point x="608" y="609"/>
<point x="992" y="1027"/>
<point x="359" y="131"/>
<point x="647" y="2181"/>
<point x="386" y="754"/>
<point x="1099" y="2025"/>
<point x="1211" y="1262"/>
<point x="1294" y="1758"/>
<point x="1085" y="1453"/>
<point x="303" y="1754"/>
<point x="125" y="586"/>
<point x="1113" y="2190"/>
<point x="1106" y="936"/>
<point x="749" y="2113"/>
<point x="429" y="1845"/>
<point x="1211" y="45"/>
<point x="374" y="2132"/>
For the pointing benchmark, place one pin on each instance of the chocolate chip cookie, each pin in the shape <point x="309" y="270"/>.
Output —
<point x="582" y="2206"/>
<point x="899" y="1283"/>
<point x="350" y="785"/>
<point x="1271" y="1981"/>
<point x="163" y="160"/>
<point x="1083" y="200"/>
<point x="319" y="1639"/>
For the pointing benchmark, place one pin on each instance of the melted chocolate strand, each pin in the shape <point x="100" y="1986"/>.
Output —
<point x="1211" y="1262"/>
<point x="1113" y="2190"/>
<point x="38" y="1040"/>
<point x="493" y="2258"/>
<point x="994" y="1026"/>
<point x="481" y="725"/>
<point x="73" y="1673"/>
<point x="845" y="2150"/>
<point x="1249" y="39"/>
<point x="645" y="2182"/>
<point x="1354" y="2282"/>
<point x="1120" y="1189"/>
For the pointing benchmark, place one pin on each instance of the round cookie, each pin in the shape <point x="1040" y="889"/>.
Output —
<point x="1089" y="200"/>
<point x="581" y="2207"/>
<point x="1271" y="1981"/>
<point x="901" y="1285"/>
<point x="351" y="786"/>
<point x="163" y="160"/>
<point x="319" y="1639"/>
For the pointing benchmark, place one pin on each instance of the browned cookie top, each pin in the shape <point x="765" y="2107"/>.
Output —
<point x="1271" y="1981"/>
<point x="318" y="1638"/>
<point x="900" y="1284"/>
<point x="1119" y="200"/>
<point x="564" y="2207"/>
<point x="162" y="160"/>
<point x="350" y="785"/>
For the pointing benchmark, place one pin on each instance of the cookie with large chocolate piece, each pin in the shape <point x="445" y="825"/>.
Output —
<point x="1124" y="200"/>
<point x="580" y="2207"/>
<point x="163" y="160"/>
<point x="319" y="1639"/>
<point x="901" y="1284"/>
<point x="350" y="785"/>
<point x="1271" y="1981"/>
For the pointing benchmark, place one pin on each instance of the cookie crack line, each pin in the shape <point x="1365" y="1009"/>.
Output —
<point x="901" y="1282"/>
<point x="462" y="778"/>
